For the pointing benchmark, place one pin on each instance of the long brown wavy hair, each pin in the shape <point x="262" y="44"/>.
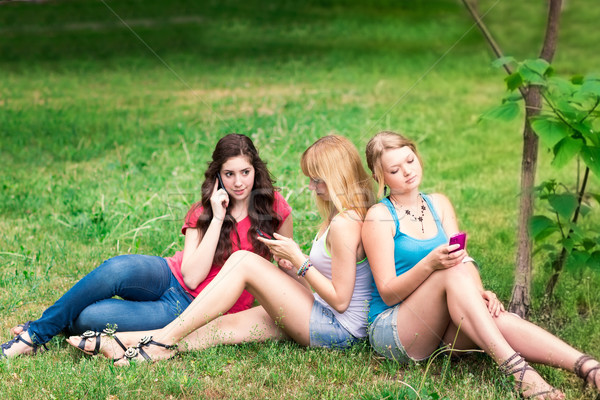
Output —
<point x="262" y="197"/>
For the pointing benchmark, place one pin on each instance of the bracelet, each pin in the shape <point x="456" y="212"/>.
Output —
<point x="305" y="266"/>
<point x="470" y="259"/>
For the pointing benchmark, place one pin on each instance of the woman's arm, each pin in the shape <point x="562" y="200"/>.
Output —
<point x="199" y="250"/>
<point x="344" y="240"/>
<point x="450" y="225"/>
<point x="286" y="265"/>
<point x="378" y="238"/>
<point x="343" y="243"/>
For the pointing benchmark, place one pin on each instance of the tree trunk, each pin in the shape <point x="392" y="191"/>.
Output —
<point x="521" y="297"/>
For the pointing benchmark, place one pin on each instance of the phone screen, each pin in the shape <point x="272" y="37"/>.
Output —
<point x="460" y="238"/>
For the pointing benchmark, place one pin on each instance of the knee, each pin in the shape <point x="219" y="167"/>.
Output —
<point x="243" y="260"/>
<point x="460" y="275"/>
<point x="457" y="272"/>
<point x="507" y="319"/>
<point x="86" y="320"/>
<point x="114" y="267"/>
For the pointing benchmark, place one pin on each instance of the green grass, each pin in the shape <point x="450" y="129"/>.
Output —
<point x="104" y="143"/>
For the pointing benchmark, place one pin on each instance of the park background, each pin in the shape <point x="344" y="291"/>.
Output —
<point x="109" y="111"/>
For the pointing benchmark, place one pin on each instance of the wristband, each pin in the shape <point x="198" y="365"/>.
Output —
<point x="305" y="266"/>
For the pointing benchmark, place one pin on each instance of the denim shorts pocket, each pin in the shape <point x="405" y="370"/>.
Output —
<point x="326" y="331"/>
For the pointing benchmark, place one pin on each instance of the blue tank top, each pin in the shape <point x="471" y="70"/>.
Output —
<point x="408" y="251"/>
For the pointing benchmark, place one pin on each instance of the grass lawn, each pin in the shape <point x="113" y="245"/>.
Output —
<point x="110" y="110"/>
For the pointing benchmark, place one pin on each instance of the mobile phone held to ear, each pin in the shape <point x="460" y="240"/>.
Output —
<point x="263" y="235"/>
<point x="460" y="238"/>
<point x="221" y="186"/>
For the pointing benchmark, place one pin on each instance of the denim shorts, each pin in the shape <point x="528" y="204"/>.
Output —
<point x="326" y="331"/>
<point x="383" y="336"/>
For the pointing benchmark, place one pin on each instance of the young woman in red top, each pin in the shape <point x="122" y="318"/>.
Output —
<point x="155" y="290"/>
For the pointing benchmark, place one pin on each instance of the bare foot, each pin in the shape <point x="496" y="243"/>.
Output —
<point x="533" y="386"/>
<point x="148" y="350"/>
<point x="15" y="330"/>
<point x="110" y="346"/>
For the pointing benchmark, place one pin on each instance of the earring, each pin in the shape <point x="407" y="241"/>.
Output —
<point x="385" y="188"/>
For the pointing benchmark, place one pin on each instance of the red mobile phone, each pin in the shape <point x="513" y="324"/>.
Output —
<point x="264" y="235"/>
<point x="460" y="238"/>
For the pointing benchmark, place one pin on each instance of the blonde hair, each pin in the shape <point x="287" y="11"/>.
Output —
<point x="335" y="160"/>
<point x="385" y="140"/>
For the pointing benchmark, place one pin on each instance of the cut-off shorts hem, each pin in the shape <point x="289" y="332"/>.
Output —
<point x="383" y="336"/>
<point x="326" y="331"/>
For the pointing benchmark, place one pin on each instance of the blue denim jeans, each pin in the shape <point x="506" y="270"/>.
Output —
<point x="151" y="297"/>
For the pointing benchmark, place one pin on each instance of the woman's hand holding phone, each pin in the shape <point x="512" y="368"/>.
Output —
<point x="460" y="239"/>
<point x="219" y="200"/>
<point x="283" y="248"/>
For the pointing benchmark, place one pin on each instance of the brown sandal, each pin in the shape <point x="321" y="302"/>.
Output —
<point x="590" y="372"/>
<point x="509" y="369"/>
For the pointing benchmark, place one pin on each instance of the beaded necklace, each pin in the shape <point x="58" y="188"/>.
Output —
<point x="413" y="217"/>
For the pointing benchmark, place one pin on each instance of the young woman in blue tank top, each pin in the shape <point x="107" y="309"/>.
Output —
<point x="335" y="315"/>
<point x="427" y="294"/>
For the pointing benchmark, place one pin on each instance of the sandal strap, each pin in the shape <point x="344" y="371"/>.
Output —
<point x="88" y="335"/>
<point x="541" y="393"/>
<point x="579" y="363"/>
<point x="587" y="374"/>
<point x="508" y="368"/>
<point x="119" y="343"/>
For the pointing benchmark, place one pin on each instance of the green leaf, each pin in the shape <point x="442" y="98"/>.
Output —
<point x="564" y="204"/>
<point x="502" y="61"/>
<point x="583" y="128"/>
<point x="539" y="65"/>
<point x="566" y="109"/>
<point x="588" y="244"/>
<point x="560" y="87"/>
<point x="591" y="86"/>
<point x="577" y="79"/>
<point x="565" y="150"/>
<point x="513" y="81"/>
<point x="513" y="96"/>
<point x="584" y="210"/>
<point x="577" y="259"/>
<point x="541" y="227"/>
<point x="591" y="158"/>
<point x="567" y="243"/>
<point x="531" y="77"/>
<point x="550" y="131"/>
<point x="504" y="112"/>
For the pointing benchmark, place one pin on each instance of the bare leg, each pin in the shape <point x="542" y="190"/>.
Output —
<point x="450" y="298"/>
<point x="253" y="325"/>
<point x="285" y="300"/>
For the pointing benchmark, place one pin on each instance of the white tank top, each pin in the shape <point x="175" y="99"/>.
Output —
<point x="354" y="319"/>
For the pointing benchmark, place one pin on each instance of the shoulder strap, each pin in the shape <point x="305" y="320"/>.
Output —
<point x="386" y="201"/>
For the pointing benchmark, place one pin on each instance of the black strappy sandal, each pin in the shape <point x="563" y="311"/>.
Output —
<point x="590" y="372"/>
<point x="132" y="352"/>
<point x="509" y="369"/>
<point x="18" y="338"/>
<point x="98" y="335"/>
